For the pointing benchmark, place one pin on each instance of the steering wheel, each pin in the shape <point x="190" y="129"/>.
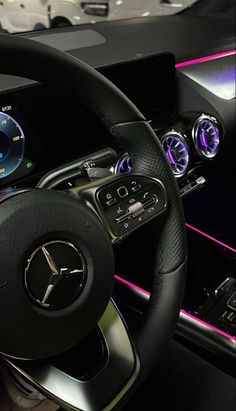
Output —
<point x="56" y="255"/>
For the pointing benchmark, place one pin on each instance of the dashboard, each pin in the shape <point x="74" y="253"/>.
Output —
<point x="41" y="131"/>
<point x="48" y="141"/>
<point x="186" y="145"/>
<point x="187" y="142"/>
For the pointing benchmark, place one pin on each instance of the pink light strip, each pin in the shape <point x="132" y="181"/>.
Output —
<point x="145" y="292"/>
<point x="205" y="58"/>
<point x="134" y="286"/>
<point x="211" y="238"/>
<point x="209" y="325"/>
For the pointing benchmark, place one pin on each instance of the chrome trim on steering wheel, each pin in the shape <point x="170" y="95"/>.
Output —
<point x="73" y="394"/>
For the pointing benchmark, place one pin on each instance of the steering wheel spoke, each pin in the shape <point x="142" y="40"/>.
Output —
<point x="118" y="371"/>
<point x="124" y="203"/>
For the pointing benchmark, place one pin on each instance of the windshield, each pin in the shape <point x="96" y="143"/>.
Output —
<point x="29" y="15"/>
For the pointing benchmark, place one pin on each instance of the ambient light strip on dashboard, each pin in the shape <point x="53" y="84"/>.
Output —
<point x="189" y="63"/>
<point x="205" y="58"/>
<point x="182" y="312"/>
<point x="146" y="293"/>
<point x="210" y="237"/>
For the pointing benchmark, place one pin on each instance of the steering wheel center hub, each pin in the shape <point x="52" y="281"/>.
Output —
<point x="54" y="274"/>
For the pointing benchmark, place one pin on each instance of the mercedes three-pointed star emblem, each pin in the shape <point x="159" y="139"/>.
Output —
<point x="63" y="284"/>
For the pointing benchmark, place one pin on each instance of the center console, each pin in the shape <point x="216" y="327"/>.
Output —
<point x="208" y="317"/>
<point x="207" y="321"/>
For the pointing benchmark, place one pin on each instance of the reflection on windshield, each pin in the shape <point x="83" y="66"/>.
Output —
<point x="27" y="15"/>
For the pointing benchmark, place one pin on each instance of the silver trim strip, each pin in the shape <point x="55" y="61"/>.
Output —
<point x="205" y="336"/>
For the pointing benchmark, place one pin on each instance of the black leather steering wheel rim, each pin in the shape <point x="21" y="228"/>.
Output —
<point x="38" y="62"/>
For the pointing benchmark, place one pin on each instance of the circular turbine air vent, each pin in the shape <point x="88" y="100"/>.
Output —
<point x="124" y="164"/>
<point x="177" y="152"/>
<point x="206" y="136"/>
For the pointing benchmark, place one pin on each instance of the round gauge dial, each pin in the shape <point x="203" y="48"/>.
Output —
<point x="206" y="136"/>
<point x="124" y="164"/>
<point x="12" y="143"/>
<point x="177" y="152"/>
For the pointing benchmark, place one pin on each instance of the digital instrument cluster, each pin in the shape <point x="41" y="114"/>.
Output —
<point x="12" y="145"/>
<point x="200" y="142"/>
<point x="13" y="160"/>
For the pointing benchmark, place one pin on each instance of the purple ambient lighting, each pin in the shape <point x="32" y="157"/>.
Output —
<point x="147" y="294"/>
<point x="170" y="157"/>
<point x="177" y="152"/>
<point x="220" y="81"/>
<point x="124" y="165"/>
<point x="206" y="136"/>
<point x="203" y="138"/>
<point x="205" y="58"/>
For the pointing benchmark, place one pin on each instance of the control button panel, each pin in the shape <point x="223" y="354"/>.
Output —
<point x="193" y="183"/>
<point x="232" y="302"/>
<point x="131" y="201"/>
<point x="229" y="317"/>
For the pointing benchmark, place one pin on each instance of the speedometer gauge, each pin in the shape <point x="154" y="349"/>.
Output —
<point x="12" y="143"/>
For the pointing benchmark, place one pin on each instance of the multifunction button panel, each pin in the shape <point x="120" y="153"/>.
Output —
<point x="129" y="202"/>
